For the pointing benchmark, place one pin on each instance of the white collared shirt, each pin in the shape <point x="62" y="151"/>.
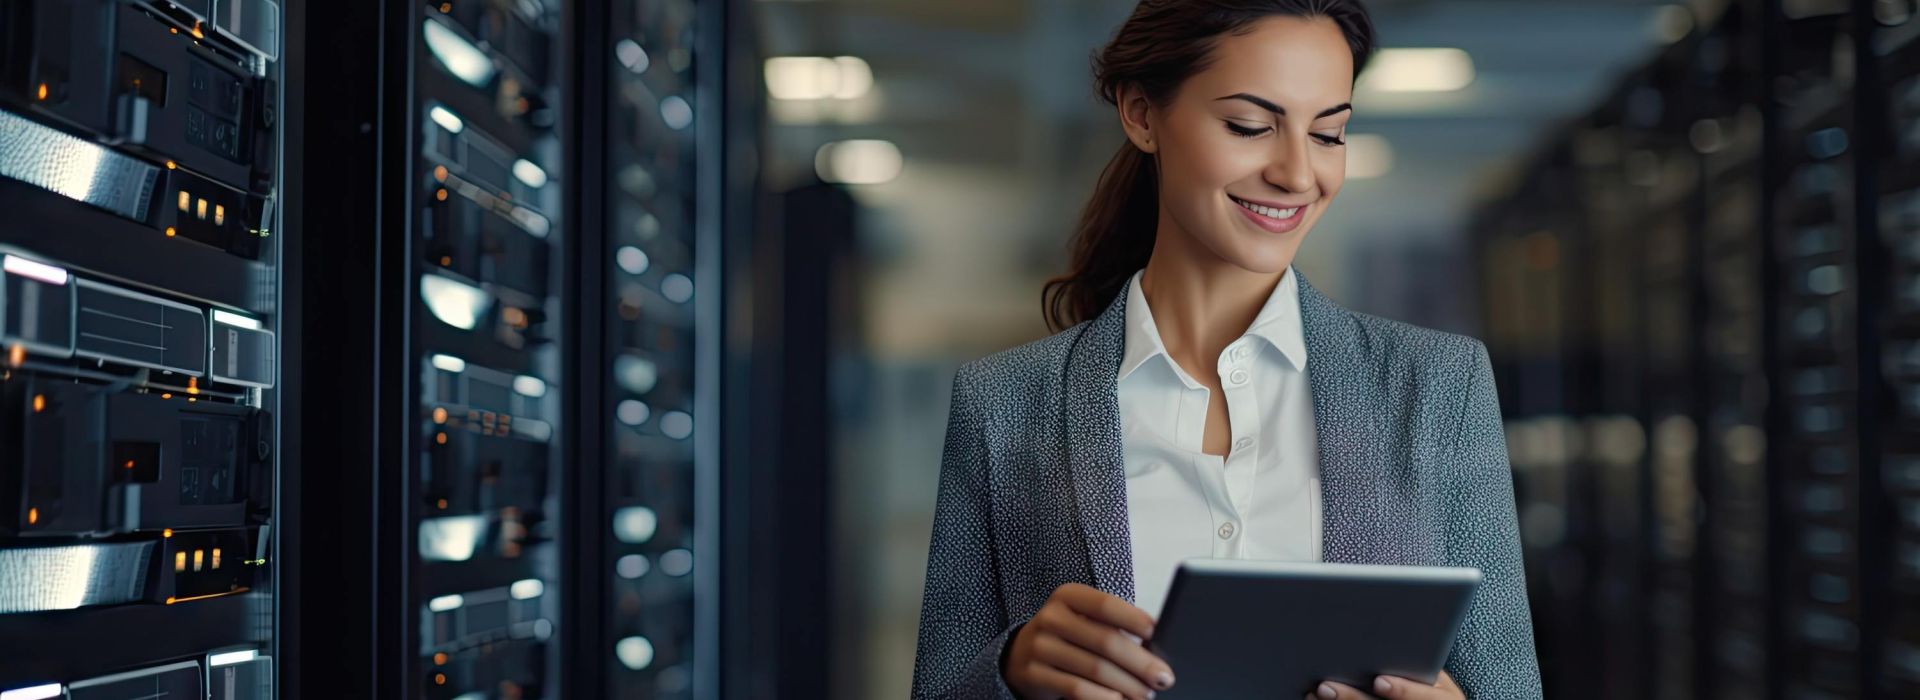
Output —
<point x="1262" y="500"/>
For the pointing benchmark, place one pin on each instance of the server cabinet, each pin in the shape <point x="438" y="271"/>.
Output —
<point x="139" y="315"/>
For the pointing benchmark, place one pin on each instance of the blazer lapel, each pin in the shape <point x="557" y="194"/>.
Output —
<point x="1091" y="415"/>
<point x="1345" y="419"/>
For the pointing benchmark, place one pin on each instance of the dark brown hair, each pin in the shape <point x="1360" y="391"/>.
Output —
<point x="1160" y="46"/>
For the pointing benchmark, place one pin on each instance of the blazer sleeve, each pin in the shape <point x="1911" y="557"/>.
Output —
<point x="1493" y="654"/>
<point x="963" y="626"/>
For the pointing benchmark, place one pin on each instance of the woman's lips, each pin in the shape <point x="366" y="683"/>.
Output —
<point x="1272" y="224"/>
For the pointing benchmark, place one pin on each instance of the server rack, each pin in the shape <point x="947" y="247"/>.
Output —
<point x="1762" y="551"/>
<point x="507" y="206"/>
<point x="139" y="310"/>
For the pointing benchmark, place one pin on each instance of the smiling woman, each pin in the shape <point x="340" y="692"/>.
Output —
<point x="1201" y="400"/>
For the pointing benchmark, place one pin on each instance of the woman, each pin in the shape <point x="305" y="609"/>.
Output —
<point x="1206" y="400"/>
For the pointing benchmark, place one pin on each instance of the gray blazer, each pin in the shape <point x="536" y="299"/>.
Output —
<point x="1413" y="467"/>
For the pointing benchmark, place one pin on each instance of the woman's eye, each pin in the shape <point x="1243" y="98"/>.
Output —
<point x="1330" y="139"/>
<point x="1245" y="132"/>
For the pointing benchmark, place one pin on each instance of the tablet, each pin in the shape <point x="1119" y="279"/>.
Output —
<point x="1236" y="628"/>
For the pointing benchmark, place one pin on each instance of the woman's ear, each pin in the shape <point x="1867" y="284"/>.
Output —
<point x="1135" y="109"/>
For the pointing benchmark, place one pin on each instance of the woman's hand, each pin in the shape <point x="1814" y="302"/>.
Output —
<point x="1085" y="644"/>
<point x="1391" y="688"/>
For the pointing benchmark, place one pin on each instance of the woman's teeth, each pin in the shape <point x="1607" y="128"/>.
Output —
<point x="1268" y="212"/>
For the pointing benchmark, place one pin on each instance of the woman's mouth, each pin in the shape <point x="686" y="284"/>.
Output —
<point x="1269" y="218"/>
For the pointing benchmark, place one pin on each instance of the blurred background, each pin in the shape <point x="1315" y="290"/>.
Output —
<point x="603" y="349"/>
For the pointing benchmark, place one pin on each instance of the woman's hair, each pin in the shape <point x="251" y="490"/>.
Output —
<point x="1159" y="47"/>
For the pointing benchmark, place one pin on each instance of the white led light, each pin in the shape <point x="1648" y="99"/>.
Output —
<point x="446" y="602"/>
<point x="466" y="61"/>
<point x="677" y="288"/>
<point x="1418" y="70"/>
<point x="529" y="386"/>
<point x="1368" y="155"/>
<point x="232" y="657"/>
<point x="858" y="161"/>
<point x="634" y="524"/>
<point x="631" y="566"/>
<point x="631" y="55"/>
<point x="631" y="412"/>
<point x="635" y="374"/>
<point x="446" y="119"/>
<point x="676" y="424"/>
<point x="856" y="77"/>
<point x="449" y="363"/>
<point x="635" y="653"/>
<point x="529" y="173"/>
<point x="232" y="319"/>
<point x="451" y="538"/>
<point x="631" y="260"/>
<point x="676" y="562"/>
<point x="38" y="692"/>
<point x="456" y="304"/>
<point x="802" y="77"/>
<point x="675" y="111"/>
<point x="527" y="588"/>
<point x="36" y="270"/>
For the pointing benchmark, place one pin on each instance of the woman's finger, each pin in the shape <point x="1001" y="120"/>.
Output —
<point x="1066" y="685"/>
<point x="1108" y="608"/>
<point x="1335" y="690"/>
<point x="1115" y="645"/>
<point x="1064" y="655"/>
<point x="1397" y="688"/>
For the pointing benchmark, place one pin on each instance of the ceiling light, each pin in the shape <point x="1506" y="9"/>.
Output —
<point x="1418" y="70"/>
<point x="858" y="162"/>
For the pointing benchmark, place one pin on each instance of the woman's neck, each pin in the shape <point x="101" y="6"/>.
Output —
<point x="1200" y="302"/>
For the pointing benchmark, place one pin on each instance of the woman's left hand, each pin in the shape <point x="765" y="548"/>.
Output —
<point x="1391" y="688"/>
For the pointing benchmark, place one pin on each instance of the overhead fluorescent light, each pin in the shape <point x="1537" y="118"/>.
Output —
<point x="232" y="319"/>
<point x="446" y="119"/>
<point x="466" y="61"/>
<point x="232" y="657"/>
<point x="37" y="270"/>
<point x="1418" y="70"/>
<point x="529" y="173"/>
<point x="1368" y="156"/>
<point x="454" y="303"/>
<point x="858" y="162"/>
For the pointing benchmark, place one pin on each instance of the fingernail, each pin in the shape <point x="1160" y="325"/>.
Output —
<point x="1381" y="685"/>
<point x="1326" y="691"/>
<point x="1164" y="680"/>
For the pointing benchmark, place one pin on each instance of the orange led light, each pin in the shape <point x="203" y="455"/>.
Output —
<point x="171" y="165"/>
<point x="440" y="195"/>
<point x="219" y="215"/>
<point x="16" y="354"/>
<point x="193" y="385"/>
<point x="200" y="209"/>
<point x="440" y="658"/>
<point x="166" y="395"/>
<point x="442" y="503"/>
<point x="33" y="515"/>
<point x="440" y="415"/>
<point x="446" y="261"/>
<point x="179" y="561"/>
<point x="216" y="557"/>
<point x="43" y="91"/>
<point x="197" y="34"/>
<point x="39" y="402"/>
<point x="199" y="558"/>
<point x="167" y="532"/>
<point x="440" y="173"/>
<point x="186" y="201"/>
<point x="439" y="679"/>
<point x="169" y="231"/>
<point x="440" y="438"/>
<point x="129" y="464"/>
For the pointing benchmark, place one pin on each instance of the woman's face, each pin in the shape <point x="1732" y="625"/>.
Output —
<point x="1264" y="125"/>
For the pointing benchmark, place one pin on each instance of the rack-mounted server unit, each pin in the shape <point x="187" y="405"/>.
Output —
<point x="139" y="312"/>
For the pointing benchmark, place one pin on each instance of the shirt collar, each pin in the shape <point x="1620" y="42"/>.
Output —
<point x="1278" y="323"/>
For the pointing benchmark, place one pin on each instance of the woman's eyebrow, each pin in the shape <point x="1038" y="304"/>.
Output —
<point x="1276" y="109"/>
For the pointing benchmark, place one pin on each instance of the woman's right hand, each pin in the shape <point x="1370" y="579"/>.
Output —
<point x="1086" y="644"/>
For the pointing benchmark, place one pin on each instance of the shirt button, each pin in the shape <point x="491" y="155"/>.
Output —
<point x="1238" y="377"/>
<point x="1240" y="353"/>
<point x="1226" y="531"/>
<point x="1243" y="443"/>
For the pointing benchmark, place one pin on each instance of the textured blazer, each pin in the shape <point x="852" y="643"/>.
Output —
<point x="1033" y="494"/>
